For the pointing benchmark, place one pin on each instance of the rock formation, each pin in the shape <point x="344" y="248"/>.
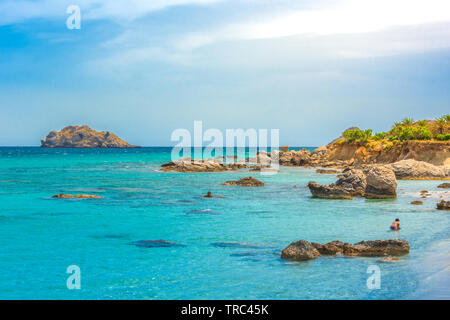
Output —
<point x="190" y="165"/>
<point x="374" y="182"/>
<point x="380" y="183"/>
<point x="412" y="169"/>
<point x="77" y="196"/>
<point x="444" y="185"/>
<point x="443" y="205"/>
<point x="377" y="248"/>
<point x="245" y="182"/>
<point x="83" y="137"/>
<point x="300" y="250"/>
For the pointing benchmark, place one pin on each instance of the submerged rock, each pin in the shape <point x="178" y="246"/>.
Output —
<point x="417" y="202"/>
<point x="76" y="196"/>
<point x="210" y="195"/>
<point x="245" y="182"/>
<point x="300" y="250"/>
<point x="238" y="245"/>
<point x="156" y="244"/>
<point x="389" y="259"/>
<point x="83" y="137"/>
<point x="443" y="205"/>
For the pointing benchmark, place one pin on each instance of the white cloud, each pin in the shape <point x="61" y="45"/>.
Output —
<point x="14" y="11"/>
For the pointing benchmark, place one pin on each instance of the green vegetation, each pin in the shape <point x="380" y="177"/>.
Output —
<point x="407" y="129"/>
<point x="357" y="134"/>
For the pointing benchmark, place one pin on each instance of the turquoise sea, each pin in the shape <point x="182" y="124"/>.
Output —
<point x="229" y="248"/>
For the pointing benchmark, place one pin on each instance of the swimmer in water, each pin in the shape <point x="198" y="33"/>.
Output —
<point x="395" y="226"/>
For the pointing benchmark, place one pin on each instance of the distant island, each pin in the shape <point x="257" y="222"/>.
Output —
<point x="83" y="137"/>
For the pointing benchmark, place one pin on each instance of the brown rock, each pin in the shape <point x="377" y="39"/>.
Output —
<point x="377" y="248"/>
<point x="417" y="202"/>
<point x="188" y="165"/>
<point x="443" y="205"/>
<point x="444" y="185"/>
<point x="328" y="192"/>
<point x="77" y="196"/>
<point x="245" y="182"/>
<point x="327" y="171"/>
<point x="300" y="250"/>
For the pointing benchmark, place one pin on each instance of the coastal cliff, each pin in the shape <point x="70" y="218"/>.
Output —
<point x="83" y="137"/>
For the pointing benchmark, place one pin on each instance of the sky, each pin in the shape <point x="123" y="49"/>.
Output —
<point x="143" y="68"/>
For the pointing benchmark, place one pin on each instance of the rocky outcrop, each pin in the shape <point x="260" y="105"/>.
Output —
<point x="444" y="185"/>
<point x="245" y="182"/>
<point x="332" y="248"/>
<point x="417" y="170"/>
<point x="327" y="171"/>
<point x="300" y="250"/>
<point x="443" y="205"/>
<point x="377" y="248"/>
<point x="384" y="152"/>
<point x="83" y="137"/>
<point x="375" y="182"/>
<point x="328" y="192"/>
<point x="417" y="202"/>
<point x="77" y="196"/>
<point x="190" y="165"/>
<point x="380" y="183"/>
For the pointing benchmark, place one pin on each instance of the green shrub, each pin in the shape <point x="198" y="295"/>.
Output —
<point x="357" y="134"/>
<point x="407" y="121"/>
<point x="380" y="136"/>
<point x="393" y="138"/>
<point x="443" y="137"/>
<point x="422" y="123"/>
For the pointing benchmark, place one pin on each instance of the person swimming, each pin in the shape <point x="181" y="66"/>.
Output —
<point x="395" y="226"/>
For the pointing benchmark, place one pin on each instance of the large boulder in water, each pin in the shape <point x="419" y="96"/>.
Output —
<point x="83" y="137"/>
<point x="443" y="205"/>
<point x="353" y="181"/>
<point x="411" y="169"/>
<point x="380" y="183"/>
<point x="300" y="250"/>
<point x="328" y="192"/>
<point x="376" y="182"/>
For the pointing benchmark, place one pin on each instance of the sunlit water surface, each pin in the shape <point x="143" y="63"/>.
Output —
<point x="40" y="237"/>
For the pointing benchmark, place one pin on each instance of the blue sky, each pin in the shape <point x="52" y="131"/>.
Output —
<point x="142" y="69"/>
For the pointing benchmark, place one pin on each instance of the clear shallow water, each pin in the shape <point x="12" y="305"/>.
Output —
<point x="40" y="237"/>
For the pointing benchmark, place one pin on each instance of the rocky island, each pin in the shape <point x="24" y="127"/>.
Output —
<point x="83" y="137"/>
